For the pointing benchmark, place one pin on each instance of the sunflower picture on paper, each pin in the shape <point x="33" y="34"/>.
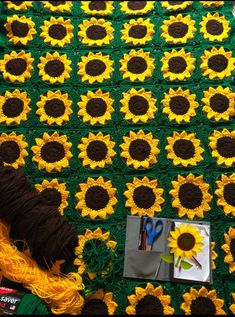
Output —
<point x="189" y="247"/>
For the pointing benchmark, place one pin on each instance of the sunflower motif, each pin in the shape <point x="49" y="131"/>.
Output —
<point x="57" y="31"/>
<point x="54" y="68"/>
<point x="214" y="255"/>
<point x="217" y="63"/>
<point x="137" y="65"/>
<point x="144" y="197"/>
<point x="96" y="32"/>
<point x="14" y="107"/>
<point x="176" y="5"/>
<point x="97" y="7"/>
<point x="185" y="241"/>
<point x="191" y="196"/>
<point x="96" y="198"/>
<point x="138" y="32"/>
<point x="138" y="105"/>
<point x="54" y="108"/>
<point x="20" y="29"/>
<point x="215" y="27"/>
<point x="216" y="4"/>
<point x="226" y="193"/>
<point x="104" y="251"/>
<point x="184" y="149"/>
<point x="219" y="103"/>
<point x="99" y="302"/>
<point x="222" y="145"/>
<point x="229" y="249"/>
<point x="54" y="193"/>
<point x="179" y="105"/>
<point x="202" y="302"/>
<point x="13" y="149"/>
<point x="177" y="65"/>
<point x="52" y="152"/>
<point x="17" y="66"/>
<point x="96" y="150"/>
<point x="136" y="7"/>
<point x="232" y="307"/>
<point x="96" y="107"/>
<point x="19" y="5"/>
<point x="95" y="67"/>
<point x="149" y="296"/>
<point x="58" y="6"/>
<point x="178" y="29"/>
<point x="140" y="149"/>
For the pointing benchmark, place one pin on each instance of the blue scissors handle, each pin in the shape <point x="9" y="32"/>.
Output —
<point x="153" y="229"/>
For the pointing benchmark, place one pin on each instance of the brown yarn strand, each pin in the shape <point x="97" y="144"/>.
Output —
<point x="46" y="232"/>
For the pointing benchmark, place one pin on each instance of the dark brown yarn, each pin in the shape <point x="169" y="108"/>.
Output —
<point x="48" y="235"/>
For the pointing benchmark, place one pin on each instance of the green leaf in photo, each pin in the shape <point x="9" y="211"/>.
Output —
<point x="185" y="265"/>
<point x="168" y="258"/>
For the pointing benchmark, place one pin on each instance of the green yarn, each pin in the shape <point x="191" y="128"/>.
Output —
<point x="31" y="305"/>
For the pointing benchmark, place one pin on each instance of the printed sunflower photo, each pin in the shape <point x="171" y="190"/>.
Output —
<point x="20" y="29"/>
<point x="98" y="243"/>
<point x="96" y="32"/>
<point x="185" y="242"/>
<point x="179" y="105"/>
<point x="184" y="149"/>
<point x="177" y="65"/>
<point x="95" y="67"/>
<point x="96" y="150"/>
<point x="222" y="144"/>
<point x="54" y="193"/>
<point x="176" y="5"/>
<point x="57" y="31"/>
<point x="58" y="6"/>
<point x="202" y="301"/>
<point x="137" y="65"/>
<point x="14" y="107"/>
<point x="96" y="198"/>
<point x="139" y="149"/>
<point x="54" y="107"/>
<point x="229" y="248"/>
<point x="217" y="63"/>
<point x="178" y="29"/>
<point x="51" y="152"/>
<point x="215" y="27"/>
<point x="99" y="302"/>
<point x="102" y="8"/>
<point x="54" y="68"/>
<point x="219" y="103"/>
<point x="138" y="105"/>
<point x="96" y="107"/>
<point x="13" y="149"/>
<point x="226" y="193"/>
<point x="149" y="298"/>
<point x="138" y="32"/>
<point x="190" y="196"/>
<point x="19" y="5"/>
<point x="144" y="197"/>
<point x="17" y="66"/>
<point x="136" y="7"/>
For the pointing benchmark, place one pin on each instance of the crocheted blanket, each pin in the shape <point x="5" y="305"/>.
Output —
<point x="125" y="107"/>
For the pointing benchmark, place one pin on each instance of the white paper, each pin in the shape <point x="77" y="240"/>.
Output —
<point x="204" y="258"/>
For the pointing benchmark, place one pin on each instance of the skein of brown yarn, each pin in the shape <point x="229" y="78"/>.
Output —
<point x="48" y="235"/>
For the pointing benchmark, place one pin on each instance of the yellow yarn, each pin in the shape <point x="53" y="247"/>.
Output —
<point x="61" y="293"/>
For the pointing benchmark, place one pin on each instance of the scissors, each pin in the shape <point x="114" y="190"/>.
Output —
<point x="153" y="230"/>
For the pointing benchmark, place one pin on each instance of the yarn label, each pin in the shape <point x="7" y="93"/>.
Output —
<point x="9" y="300"/>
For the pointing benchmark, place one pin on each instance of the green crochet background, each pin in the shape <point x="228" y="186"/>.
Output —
<point x="161" y="127"/>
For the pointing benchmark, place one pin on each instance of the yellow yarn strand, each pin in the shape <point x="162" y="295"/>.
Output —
<point x="61" y="293"/>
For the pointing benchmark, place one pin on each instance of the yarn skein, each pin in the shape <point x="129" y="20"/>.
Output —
<point x="31" y="305"/>
<point x="61" y="293"/>
<point x="47" y="233"/>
